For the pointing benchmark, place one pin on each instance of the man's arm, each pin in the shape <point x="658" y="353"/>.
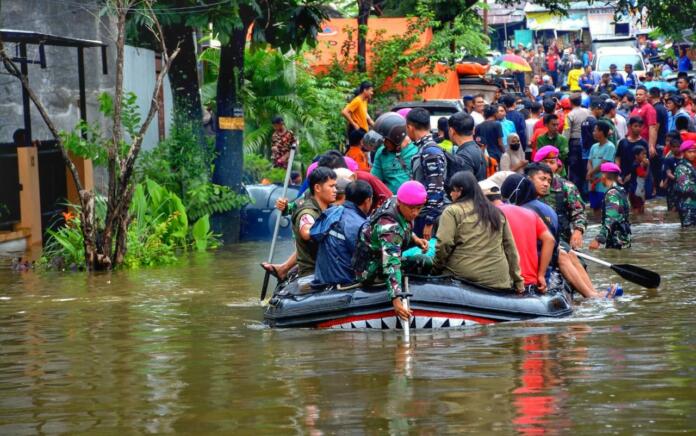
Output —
<point x="652" y="141"/>
<point x="377" y="164"/>
<point x="306" y="223"/>
<point x="578" y="217"/>
<point x="547" y="246"/>
<point x="434" y="180"/>
<point x="513" y="258"/>
<point x="390" y="243"/>
<point x="500" y="138"/>
<point x="346" y="112"/>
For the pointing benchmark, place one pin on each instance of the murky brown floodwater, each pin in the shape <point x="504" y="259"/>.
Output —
<point x="182" y="349"/>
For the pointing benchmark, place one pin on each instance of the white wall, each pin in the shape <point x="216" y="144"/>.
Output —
<point x="139" y="77"/>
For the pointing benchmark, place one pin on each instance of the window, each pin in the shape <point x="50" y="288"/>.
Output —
<point x="620" y="60"/>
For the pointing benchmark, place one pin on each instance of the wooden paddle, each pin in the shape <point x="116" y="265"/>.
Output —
<point x="276" y="229"/>
<point x="632" y="273"/>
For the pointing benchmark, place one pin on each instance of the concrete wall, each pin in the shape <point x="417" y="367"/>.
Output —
<point x="57" y="85"/>
<point x="139" y="77"/>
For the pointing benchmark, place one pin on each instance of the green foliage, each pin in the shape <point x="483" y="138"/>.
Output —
<point x="65" y="246"/>
<point x="399" y="62"/>
<point x="203" y="238"/>
<point x="182" y="166"/>
<point x="87" y="140"/>
<point x="278" y="84"/>
<point x="257" y="168"/>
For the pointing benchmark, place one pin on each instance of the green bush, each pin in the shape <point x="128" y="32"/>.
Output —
<point x="158" y="230"/>
<point x="183" y="166"/>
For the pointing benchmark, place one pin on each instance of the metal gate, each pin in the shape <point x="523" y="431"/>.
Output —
<point x="9" y="187"/>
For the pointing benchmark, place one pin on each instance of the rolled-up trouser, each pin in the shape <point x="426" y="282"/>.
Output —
<point x="577" y="166"/>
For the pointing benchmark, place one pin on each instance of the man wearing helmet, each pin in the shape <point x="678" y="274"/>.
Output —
<point x="392" y="161"/>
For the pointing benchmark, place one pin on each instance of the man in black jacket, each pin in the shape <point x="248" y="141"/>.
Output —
<point x="461" y="132"/>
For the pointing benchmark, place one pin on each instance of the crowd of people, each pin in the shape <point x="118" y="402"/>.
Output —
<point x="498" y="196"/>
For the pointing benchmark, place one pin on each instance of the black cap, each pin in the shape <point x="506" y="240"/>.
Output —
<point x="277" y="120"/>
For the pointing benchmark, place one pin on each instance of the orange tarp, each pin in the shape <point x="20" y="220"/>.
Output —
<point x="335" y="33"/>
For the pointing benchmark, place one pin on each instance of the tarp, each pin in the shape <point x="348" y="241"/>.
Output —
<point x="547" y="21"/>
<point x="601" y="24"/>
<point x="335" y="36"/>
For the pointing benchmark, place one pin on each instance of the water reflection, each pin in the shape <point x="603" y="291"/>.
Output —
<point x="181" y="349"/>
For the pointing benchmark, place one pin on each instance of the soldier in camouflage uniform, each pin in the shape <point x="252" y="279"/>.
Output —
<point x="615" y="231"/>
<point x="565" y="199"/>
<point x="685" y="184"/>
<point x="383" y="238"/>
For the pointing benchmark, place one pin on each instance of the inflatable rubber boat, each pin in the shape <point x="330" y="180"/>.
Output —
<point x="436" y="302"/>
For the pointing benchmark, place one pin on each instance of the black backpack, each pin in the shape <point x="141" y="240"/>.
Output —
<point x="453" y="163"/>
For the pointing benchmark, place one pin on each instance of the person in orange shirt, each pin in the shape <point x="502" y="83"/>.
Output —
<point x="356" y="149"/>
<point x="356" y="111"/>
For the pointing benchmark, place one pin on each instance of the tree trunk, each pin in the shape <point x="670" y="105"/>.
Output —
<point x="183" y="74"/>
<point x="364" y="8"/>
<point x="229" y="140"/>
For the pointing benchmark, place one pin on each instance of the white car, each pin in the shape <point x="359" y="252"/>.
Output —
<point x="619" y="56"/>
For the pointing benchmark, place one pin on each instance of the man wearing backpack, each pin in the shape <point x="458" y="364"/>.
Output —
<point x="429" y="167"/>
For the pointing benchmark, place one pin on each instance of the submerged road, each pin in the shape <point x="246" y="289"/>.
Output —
<point x="182" y="349"/>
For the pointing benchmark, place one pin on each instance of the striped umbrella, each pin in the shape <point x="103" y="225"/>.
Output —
<point x="513" y="63"/>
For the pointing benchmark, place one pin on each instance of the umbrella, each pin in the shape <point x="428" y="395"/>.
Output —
<point x="513" y="63"/>
<point x="662" y="86"/>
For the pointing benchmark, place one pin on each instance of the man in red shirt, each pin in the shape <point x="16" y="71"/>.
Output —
<point x="532" y="264"/>
<point x="646" y="111"/>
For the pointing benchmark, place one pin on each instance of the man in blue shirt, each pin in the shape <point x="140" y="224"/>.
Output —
<point x="632" y="80"/>
<point x="684" y="61"/>
<point x="615" y="76"/>
<point x="516" y="117"/>
<point x="336" y="232"/>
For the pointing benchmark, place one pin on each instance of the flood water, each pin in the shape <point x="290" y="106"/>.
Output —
<point x="183" y="349"/>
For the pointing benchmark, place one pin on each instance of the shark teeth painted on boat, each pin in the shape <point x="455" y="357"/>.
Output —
<point x="418" y="322"/>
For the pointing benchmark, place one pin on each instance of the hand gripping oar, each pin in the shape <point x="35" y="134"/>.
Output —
<point x="632" y="273"/>
<point x="276" y="229"/>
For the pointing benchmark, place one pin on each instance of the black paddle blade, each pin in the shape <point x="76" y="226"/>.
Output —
<point x="640" y="276"/>
<point x="264" y="288"/>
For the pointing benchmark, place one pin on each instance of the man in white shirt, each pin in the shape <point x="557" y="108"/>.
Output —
<point x="477" y="113"/>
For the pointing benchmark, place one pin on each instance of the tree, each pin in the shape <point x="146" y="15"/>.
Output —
<point x="285" y="24"/>
<point x="364" y="9"/>
<point x="105" y="243"/>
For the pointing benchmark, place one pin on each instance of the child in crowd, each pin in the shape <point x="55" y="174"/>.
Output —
<point x="640" y="181"/>
<point x="669" y="164"/>
<point x="603" y="151"/>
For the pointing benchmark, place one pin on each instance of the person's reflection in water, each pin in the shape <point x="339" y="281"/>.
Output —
<point x="534" y="399"/>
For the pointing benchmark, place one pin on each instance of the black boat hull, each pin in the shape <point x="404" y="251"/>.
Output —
<point x="435" y="302"/>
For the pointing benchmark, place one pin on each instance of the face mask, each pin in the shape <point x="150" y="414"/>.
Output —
<point x="515" y="147"/>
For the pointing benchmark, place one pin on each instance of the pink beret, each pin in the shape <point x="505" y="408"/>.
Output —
<point x="610" y="167"/>
<point x="403" y="112"/>
<point x="546" y="152"/>
<point x="311" y="168"/>
<point x="412" y="193"/>
<point x="687" y="145"/>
